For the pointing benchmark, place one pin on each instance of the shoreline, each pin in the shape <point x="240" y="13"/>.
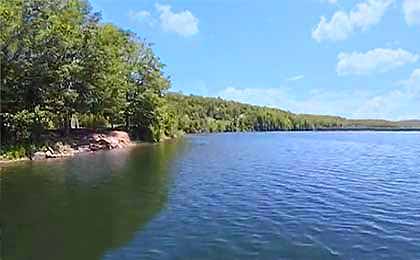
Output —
<point x="368" y="129"/>
<point x="76" y="152"/>
<point x="82" y="150"/>
<point x="81" y="153"/>
<point x="80" y="142"/>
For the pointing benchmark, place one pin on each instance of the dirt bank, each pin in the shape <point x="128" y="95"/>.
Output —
<point x="57" y="145"/>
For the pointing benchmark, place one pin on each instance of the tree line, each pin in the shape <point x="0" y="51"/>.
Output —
<point x="61" y="64"/>
<point x="197" y="114"/>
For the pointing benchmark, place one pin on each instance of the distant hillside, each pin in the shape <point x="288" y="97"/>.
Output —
<point x="409" y="123"/>
<point x="195" y="114"/>
<point x="382" y="123"/>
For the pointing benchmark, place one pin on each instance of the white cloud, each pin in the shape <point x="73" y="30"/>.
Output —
<point x="183" y="23"/>
<point x="414" y="79"/>
<point x="396" y="104"/>
<point x="142" y="16"/>
<point x="400" y="103"/>
<point x="272" y="97"/>
<point x="315" y="102"/>
<point x="329" y="1"/>
<point x="411" y="10"/>
<point x="295" y="78"/>
<point x="376" y="60"/>
<point x="343" y="24"/>
<point x="413" y="84"/>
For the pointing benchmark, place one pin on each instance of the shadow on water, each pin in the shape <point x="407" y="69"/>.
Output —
<point x="81" y="207"/>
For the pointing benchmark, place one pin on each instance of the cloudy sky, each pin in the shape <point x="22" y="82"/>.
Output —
<point x="358" y="59"/>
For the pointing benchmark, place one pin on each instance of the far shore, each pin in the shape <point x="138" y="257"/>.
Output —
<point x="378" y="129"/>
<point x="117" y="140"/>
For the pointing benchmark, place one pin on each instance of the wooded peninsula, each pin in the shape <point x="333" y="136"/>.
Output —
<point x="63" y="68"/>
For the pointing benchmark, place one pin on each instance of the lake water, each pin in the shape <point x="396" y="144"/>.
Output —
<point x="288" y="195"/>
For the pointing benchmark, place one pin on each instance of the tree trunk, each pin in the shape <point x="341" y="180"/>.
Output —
<point x="127" y="121"/>
<point x="67" y="124"/>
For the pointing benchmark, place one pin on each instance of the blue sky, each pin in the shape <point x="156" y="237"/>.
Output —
<point x="358" y="59"/>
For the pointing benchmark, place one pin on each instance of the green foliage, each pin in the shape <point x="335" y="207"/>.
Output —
<point x="58" y="59"/>
<point x="25" y="125"/>
<point x="201" y="114"/>
<point x="13" y="152"/>
<point x="93" y="121"/>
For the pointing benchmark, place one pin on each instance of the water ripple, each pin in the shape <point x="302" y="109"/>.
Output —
<point x="288" y="196"/>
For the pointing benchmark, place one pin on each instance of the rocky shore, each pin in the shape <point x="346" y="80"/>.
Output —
<point x="80" y="141"/>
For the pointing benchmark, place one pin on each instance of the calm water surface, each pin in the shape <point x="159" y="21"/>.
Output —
<point x="226" y="196"/>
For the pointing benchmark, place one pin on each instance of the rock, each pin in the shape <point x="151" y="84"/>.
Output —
<point x="97" y="146"/>
<point x="84" y="148"/>
<point x="39" y="156"/>
<point x="113" y="140"/>
<point x="49" y="149"/>
<point x="121" y="138"/>
<point x="81" y="141"/>
<point x="49" y="154"/>
<point x="63" y="148"/>
<point x="58" y="146"/>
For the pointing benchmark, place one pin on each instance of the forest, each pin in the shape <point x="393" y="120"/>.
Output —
<point x="62" y="67"/>
<point x="195" y="114"/>
<point x="60" y="62"/>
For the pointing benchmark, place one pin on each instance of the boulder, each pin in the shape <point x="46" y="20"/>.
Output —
<point x="50" y="150"/>
<point x="84" y="148"/>
<point x="120" y="137"/>
<point x="49" y="154"/>
<point x="113" y="140"/>
<point x="39" y="156"/>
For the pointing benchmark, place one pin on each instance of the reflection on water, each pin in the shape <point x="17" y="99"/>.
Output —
<point x="288" y="196"/>
<point x="311" y="195"/>
<point x="80" y="207"/>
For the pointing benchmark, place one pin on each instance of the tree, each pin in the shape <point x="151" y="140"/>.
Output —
<point x="57" y="58"/>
